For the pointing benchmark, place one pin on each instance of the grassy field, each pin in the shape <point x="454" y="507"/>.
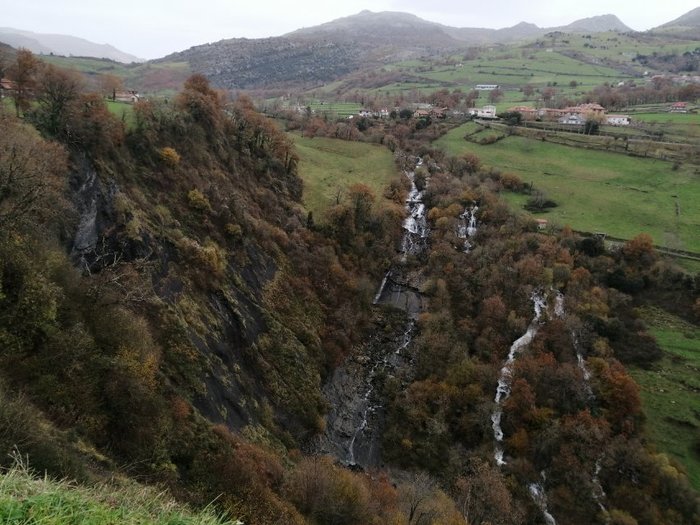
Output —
<point x="678" y="127"/>
<point x="671" y="391"/>
<point x="598" y="191"/>
<point x="329" y="166"/>
<point x="26" y="500"/>
<point x="122" y="111"/>
<point x="338" y="109"/>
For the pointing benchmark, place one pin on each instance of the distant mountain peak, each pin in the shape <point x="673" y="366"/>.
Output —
<point x="524" y="24"/>
<point x="598" y="23"/>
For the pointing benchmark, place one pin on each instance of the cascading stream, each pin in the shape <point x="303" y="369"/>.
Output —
<point x="388" y="362"/>
<point x="503" y="390"/>
<point x="414" y="242"/>
<point x="467" y="227"/>
<point x="540" y="498"/>
<point x="506" y="377"/>
<point x="416" y="224"/>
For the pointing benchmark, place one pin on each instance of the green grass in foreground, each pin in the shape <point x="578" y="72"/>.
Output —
<point x="596" y="190"/>
<point x="122" y="111"/>
<point x="328" y="166"/>
<point x="671" y="391"/>
<point x="26" y="500"/>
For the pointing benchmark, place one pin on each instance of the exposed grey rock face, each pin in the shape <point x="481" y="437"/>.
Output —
<point x="94" y="202"/>
<point x="354" y="393"/>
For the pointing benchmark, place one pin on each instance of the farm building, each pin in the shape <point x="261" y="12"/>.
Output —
<point x="679" y="107"/>
<point x="528" y="113"/>
<point x="550" y="113"/>
<point x="126" y="96"/>
<point x="486" y="112"/>
<point x="541" y="223"/>
<point x="617" y="120"/>
<point x="586" y="110"/>
<point x="486" y="87"/>
<point x="7" y="87"/>
<point x="573" y="119"/>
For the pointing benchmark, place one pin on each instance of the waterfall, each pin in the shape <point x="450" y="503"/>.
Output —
<point x="466" y="227"/>
<point x="416" y="224"/>
<point x="381" y="287"/>
<point x="388" y="362"/>
<point x="506" y="376"/>
<point x="505" y="379"/>
<point x="407" y="336"/>
<point x="540" y="498"/>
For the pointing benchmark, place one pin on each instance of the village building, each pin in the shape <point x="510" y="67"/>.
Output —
<point x="486" y="112"/>
<point x="365" y="113"/>
<point x="438" y="112"/>
<point x="617" y="120"/>
<point x="541" y="223"/>
<point x="679" y="107"/>
<point x="572" y="119"/>
<point x="421" y="113"/>
<point x="586" y="110"/>
<point x="528" y="113"/>
<point x="7" y="87"/>
<point x="130" y="96"/>
<point x="551" y="114"/>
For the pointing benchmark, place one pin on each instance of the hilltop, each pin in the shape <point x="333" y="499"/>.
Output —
<point x="66" y="45"/>
<point x="324" y="53"/>
<point x="687" y="25"/>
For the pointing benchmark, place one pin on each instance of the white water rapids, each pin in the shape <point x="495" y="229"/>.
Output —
<point x="467" y="226"/>
<point x="387" y="362"/>
<point x="503" y="390"/>
<point x="416" y="224"/>
<point x="506" y="377"/>
<point x="540" y="498"/>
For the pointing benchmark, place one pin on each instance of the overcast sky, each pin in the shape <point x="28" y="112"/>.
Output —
<point x="154" y="28"/>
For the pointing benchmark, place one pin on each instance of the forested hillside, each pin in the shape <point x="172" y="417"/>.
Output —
<point x="171" y="312"/>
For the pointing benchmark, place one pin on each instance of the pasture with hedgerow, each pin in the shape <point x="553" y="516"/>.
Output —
<point x="388" y="268"/>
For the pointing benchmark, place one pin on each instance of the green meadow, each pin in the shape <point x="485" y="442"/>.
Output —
<point x="329" y="166"/>
<point x="596" y="190"/>
<point x="670" y="391"/>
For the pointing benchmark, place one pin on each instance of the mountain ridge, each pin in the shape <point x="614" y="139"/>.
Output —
<point x="323" y="53"/>
<point x="59" y="44"/>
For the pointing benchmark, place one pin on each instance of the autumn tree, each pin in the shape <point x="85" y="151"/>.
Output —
<point x="110" y="84"/>
<point x="30" y="174"/>
<point x="495" y="95"/>
<point x="482" y="495"/>
<point x="327" y="493"/>
<point x="57" y="90"/>
<point x="23" y="72"/>
<point x="548" y="94"/>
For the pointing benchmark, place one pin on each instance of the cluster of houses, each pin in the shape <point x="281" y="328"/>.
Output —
<point x="573" y="115"/>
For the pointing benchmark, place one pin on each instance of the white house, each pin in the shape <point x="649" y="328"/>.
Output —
<point x="126" y="96"/>
<point x="572" y="119"/>
<point x="617" y="120"/>
<point x="486" y="112"/>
